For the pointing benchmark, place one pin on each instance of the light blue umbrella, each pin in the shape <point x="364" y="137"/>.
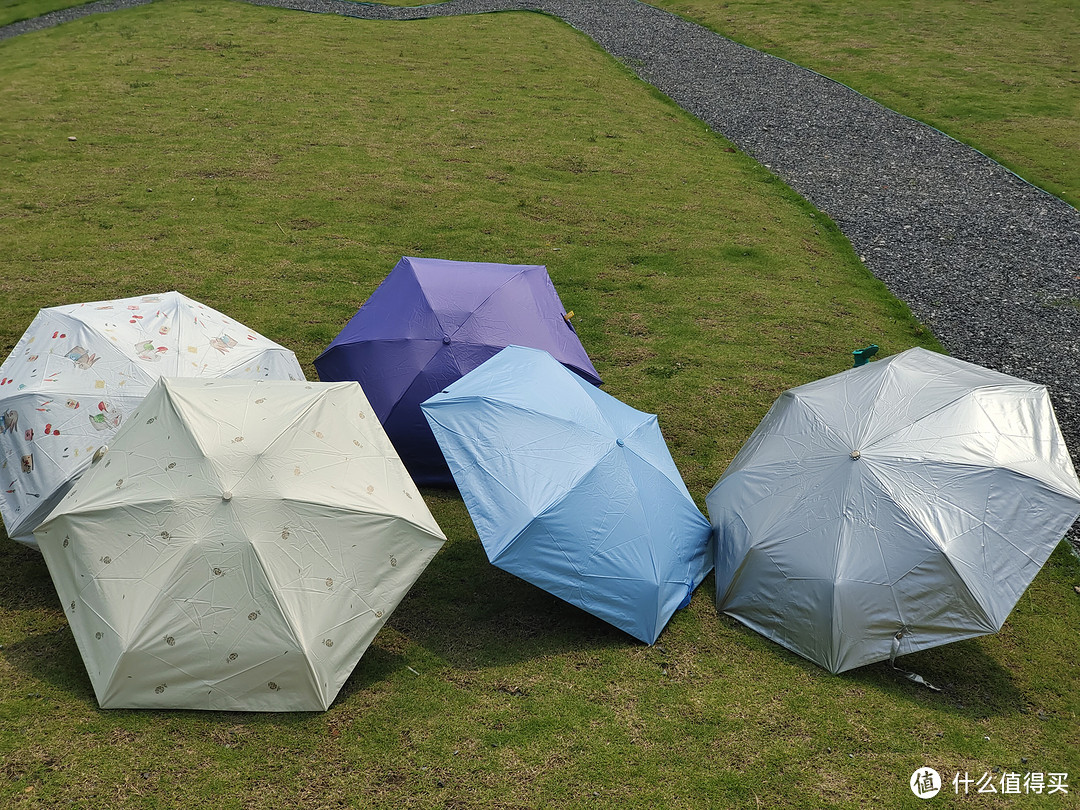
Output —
<point x="572" y="490"/>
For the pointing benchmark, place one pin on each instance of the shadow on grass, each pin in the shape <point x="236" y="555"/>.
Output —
<point x="972" y="683"/>
<point x="465" y="612"/>
<point x="52" y="658"/>
<point x="473" y="615"/>
<point x="462" y="610"/>
<point x="24" y="579"/>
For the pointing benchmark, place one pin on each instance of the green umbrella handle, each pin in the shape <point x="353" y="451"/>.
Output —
<point x="862" y="356"/>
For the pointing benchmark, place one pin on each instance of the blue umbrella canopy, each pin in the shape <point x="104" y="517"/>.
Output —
<point x="430" y="322"/>
<point x="572" y="490"/>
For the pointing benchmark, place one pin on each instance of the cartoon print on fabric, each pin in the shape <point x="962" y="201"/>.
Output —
<point x="147" y="351"/>
<point x="223" y="343"/>
<point x="9" y="421"/>
<point x="81" y="357"/>
<point x="108" y="416"/>
<point x="116" y="350"/>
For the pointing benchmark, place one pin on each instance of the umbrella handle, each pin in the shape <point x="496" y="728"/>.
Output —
<point x="862" y="356"/>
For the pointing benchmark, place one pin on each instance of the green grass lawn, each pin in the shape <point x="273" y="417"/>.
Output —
<point x="1001" y="76"/>
<point x="15" y="10"/>
<point x="276" y="165"/>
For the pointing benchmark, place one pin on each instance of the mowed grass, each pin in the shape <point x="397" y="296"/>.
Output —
<point x="276" y="165"/>
<point x="1001" y="76"/>
<point x="16" y="10"/>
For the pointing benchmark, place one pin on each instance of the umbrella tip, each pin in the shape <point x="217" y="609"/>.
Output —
<point x="855" y="455"/>
<point x="862" y="356"/>
<point x="226" y="495"/>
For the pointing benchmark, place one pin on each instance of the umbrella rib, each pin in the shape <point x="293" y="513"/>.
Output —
<point x="962" y="509"/>
<point x="297" y="638"/>
<point x="286" y="428"/>
<point x="182" y="327"/>
<point x="75" y="323"/>
<point x="560" y="420"/>
<point x="257" y="458"/>
<point x="881" y="551"/>
<point x="401" y="398"/>
<point x="886" y="377"/>
<point x="1053" y="485"/>
<point x="90" y="509"/>
<point x="266" y="351"/>
<point x="925" y="534"/>
<point x="104" y="621"/>
<point x="479" y="306"/>
<point x="467" y="494"/>
<point x="962" y="395"/>
<point x="818" y="417"/>
<point x="371" y="512"/>
<point x="173" y="303"/>
<point x="645" y="423"/>
<point x="179" y="414"/>
<point x="559" y="499"/>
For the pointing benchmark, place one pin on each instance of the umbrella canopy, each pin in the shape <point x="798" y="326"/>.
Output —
<point x="430" y="322"/>
<point x="79" y="370"/>
<point x="238" y="547"/>
<point x="572" y="490"/>
<point x="918" y="495"/>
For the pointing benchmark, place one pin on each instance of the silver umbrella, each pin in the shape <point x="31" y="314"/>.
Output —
<point x="890" y="508"/>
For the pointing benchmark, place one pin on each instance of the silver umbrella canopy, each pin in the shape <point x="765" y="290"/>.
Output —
<point x="912" y="499"/>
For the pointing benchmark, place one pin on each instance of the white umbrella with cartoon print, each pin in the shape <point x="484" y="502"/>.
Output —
<point x="79" y="369"/>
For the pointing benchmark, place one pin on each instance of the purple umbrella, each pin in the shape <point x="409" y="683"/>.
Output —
<point x="432" y="321"/>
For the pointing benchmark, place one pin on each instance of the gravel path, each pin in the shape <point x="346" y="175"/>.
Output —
<point x="990" y="263"/>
